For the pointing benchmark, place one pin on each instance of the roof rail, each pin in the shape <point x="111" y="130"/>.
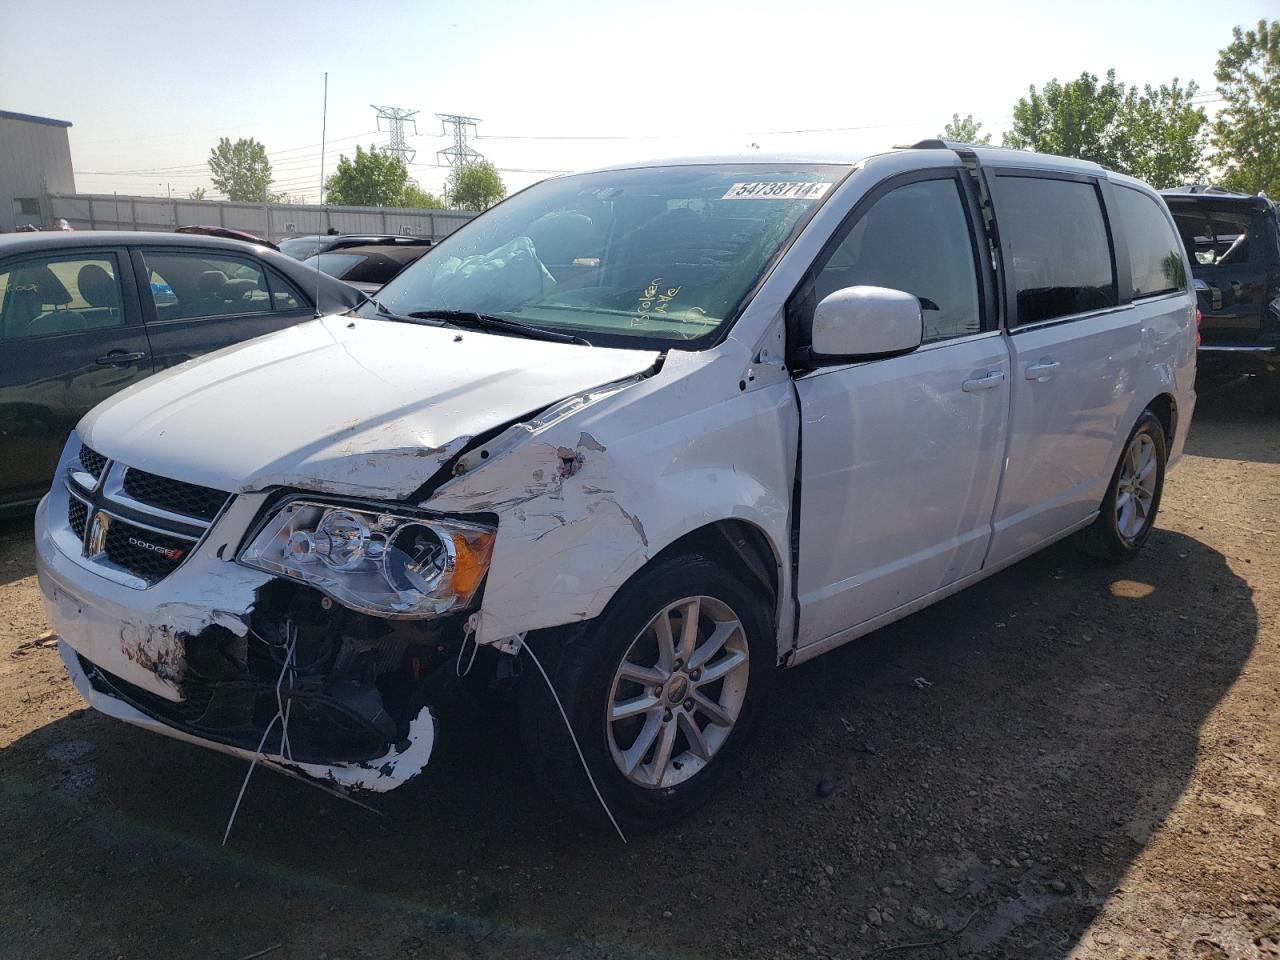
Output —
<point x="937" y="143"/>
<point x="1211" y="190"/>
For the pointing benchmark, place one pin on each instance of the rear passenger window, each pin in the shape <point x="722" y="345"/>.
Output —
<point x="188" y="285"/>
<point x="1154" y="255"/>
<point x="916" y="239"/>
<point x="1058" y="240"/>
<point x="65" y="294"/>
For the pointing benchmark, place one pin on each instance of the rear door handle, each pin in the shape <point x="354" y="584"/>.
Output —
<point x="989" y="380"/>
<point x="1042" y="371"/>
<point x="118" y="358"/>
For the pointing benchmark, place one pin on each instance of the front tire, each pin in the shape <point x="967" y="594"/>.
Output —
<point x="660" y="691"/>
<point x="1129" y="509"/>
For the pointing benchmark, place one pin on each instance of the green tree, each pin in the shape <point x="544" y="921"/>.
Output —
<point x="1161" y="135"/>
<point x="1157" y="133"/>
<point x="965" y="131"/>
<point x="372" y="179"/>
<point x="240" y="170"/>
<point x="414" y="196"/>
<point x="197" y="193"/>
<point x="1246" y="131"/>
<point x="474" y="186"/>
<point x="1072" y="119"/>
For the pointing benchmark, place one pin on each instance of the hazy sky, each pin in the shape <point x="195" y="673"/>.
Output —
<point x="559" y="84"/>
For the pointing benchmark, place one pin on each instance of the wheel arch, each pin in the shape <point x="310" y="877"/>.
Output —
<point x="736" y="542"/>
<point x="740" y="545"/>
<point x="1165" y="407"/>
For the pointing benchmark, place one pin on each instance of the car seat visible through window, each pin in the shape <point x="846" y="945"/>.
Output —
<point x="35" y="304"/>
<point x="101" y="293"/>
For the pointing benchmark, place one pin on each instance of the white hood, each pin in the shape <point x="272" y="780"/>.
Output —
<point x="343" y="405"/>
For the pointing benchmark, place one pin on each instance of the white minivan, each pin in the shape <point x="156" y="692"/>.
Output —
<point x="625" y="446"/>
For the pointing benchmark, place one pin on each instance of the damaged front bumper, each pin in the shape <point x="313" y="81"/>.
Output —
<point x="197" y="657"/>
<point x="399" y="765"/>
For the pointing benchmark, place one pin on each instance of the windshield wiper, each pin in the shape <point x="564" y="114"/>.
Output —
<point x="485" y="321"/>
<point x="391" y="314"/>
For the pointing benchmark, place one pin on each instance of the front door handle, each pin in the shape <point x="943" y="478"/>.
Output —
<point x="1042" y="371"/>
<point x="988" y="381"/>
<point x="118" y="358"/>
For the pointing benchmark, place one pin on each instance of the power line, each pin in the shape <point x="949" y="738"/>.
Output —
<point x="204" y="164"/>
<point x="703" y="134"/>
<point x="534" y="136"/>
<point x="437" y="166"/>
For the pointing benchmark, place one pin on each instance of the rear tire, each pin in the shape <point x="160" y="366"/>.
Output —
<point x="1129" y="509"/>
<point x="657" y="729"/>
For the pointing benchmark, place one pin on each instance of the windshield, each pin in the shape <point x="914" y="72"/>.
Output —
<point x="300" y="248"/>
<point x="336" y="264"/>
<point x="659" y="256"/>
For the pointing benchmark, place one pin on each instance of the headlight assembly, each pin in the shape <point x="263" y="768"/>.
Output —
<point x="375" y="561"/>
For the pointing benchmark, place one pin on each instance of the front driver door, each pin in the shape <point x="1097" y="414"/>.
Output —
<point x="70" y="336"/>
<point x="901" y="457"/>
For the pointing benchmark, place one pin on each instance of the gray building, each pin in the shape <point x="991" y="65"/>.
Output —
<point x="35" y="160"/>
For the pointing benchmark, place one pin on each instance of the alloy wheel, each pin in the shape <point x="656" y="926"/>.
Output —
<point x="1136" y="487"/>
<point x="678" y="692"/>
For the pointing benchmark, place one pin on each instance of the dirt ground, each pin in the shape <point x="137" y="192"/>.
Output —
<point x="1069" y="760"/>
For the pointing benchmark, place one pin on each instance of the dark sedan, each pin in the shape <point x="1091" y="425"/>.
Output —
<point x="83" y="315"/>
<point x="367" y="268"/>
<point x="307" y="246"/>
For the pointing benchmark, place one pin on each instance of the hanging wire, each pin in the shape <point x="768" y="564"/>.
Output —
<point x="281" y="715"/>
<point x="572" y="736"/>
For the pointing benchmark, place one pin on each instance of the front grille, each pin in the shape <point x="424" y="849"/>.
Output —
<point x="176" y="496"/>
<point x="132" y="526"/>
<point x="145" y="553"/>
<point x="92" y="461"/>
<point x="77" y="516"/>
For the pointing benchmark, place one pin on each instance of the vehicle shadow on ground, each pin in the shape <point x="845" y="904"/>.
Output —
<point x="17" y="560"/>
<point x="995" y="763"/>
<point x="1225" y="423"/>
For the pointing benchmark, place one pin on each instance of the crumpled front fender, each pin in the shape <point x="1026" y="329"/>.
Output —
<point x="585" y="502"/>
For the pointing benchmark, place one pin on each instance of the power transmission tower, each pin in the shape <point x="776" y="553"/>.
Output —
<point x="461" y="153"/>
<point x="396" y="117"/>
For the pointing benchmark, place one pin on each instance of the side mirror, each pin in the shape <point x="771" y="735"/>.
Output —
<point x="862" y="323"/>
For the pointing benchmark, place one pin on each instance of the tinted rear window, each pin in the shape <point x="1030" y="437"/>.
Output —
<point x="1058" y="239"/>
<point x="337" y="264"/>
<point x="1154" y="255"/>
<point x="1214" y="234"/>
<point x="300" y="248"/>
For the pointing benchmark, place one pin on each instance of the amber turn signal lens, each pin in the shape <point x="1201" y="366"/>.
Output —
<point x="472" y="550"/>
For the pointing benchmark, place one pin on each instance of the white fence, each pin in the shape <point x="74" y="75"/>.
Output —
<point x="274" y="221"/>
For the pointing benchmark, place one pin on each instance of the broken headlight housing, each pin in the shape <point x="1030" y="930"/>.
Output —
<point x="375" y="561"/>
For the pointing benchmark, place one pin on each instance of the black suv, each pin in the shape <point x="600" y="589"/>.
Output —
<point x="1233" y="243"/>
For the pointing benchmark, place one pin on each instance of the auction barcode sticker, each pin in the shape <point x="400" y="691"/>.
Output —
<point x="776" y="190"/>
